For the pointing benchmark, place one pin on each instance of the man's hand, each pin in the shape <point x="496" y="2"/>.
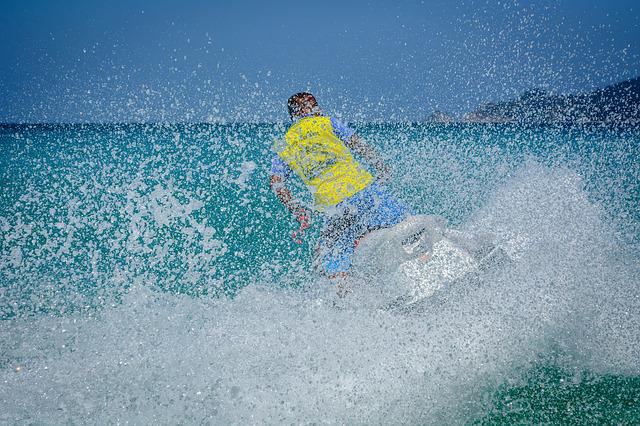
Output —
<point x="304" y="217"/>
<point x="302" y="214"/>
<point x="383" y="174"/>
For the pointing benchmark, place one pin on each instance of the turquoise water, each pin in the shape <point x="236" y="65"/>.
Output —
<point x="148" y="274"/>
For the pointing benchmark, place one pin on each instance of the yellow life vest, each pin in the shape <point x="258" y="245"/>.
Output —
<point x="322" y="161"/>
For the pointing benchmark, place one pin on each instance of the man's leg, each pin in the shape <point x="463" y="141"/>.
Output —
<point x="335" y="251"/>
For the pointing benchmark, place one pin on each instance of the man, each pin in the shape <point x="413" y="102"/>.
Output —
<point x="319" y="150"/>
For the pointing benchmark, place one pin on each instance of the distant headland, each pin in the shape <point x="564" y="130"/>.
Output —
<point x="618" y="103"/>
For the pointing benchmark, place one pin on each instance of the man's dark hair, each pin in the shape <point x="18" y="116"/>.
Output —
<point x="297" y="102"/>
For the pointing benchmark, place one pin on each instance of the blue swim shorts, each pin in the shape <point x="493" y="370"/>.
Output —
<point x="370" y="209"/>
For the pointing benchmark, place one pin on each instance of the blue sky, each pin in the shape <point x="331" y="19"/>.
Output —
<point x="239" y="60"/>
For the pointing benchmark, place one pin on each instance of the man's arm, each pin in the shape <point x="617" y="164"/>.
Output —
<point x="383" y="172"/>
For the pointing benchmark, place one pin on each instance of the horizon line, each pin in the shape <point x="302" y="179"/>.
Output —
<point x="227" y="123"/>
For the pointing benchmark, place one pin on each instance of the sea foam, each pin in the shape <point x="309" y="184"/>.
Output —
<point x="274" y="354"/>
